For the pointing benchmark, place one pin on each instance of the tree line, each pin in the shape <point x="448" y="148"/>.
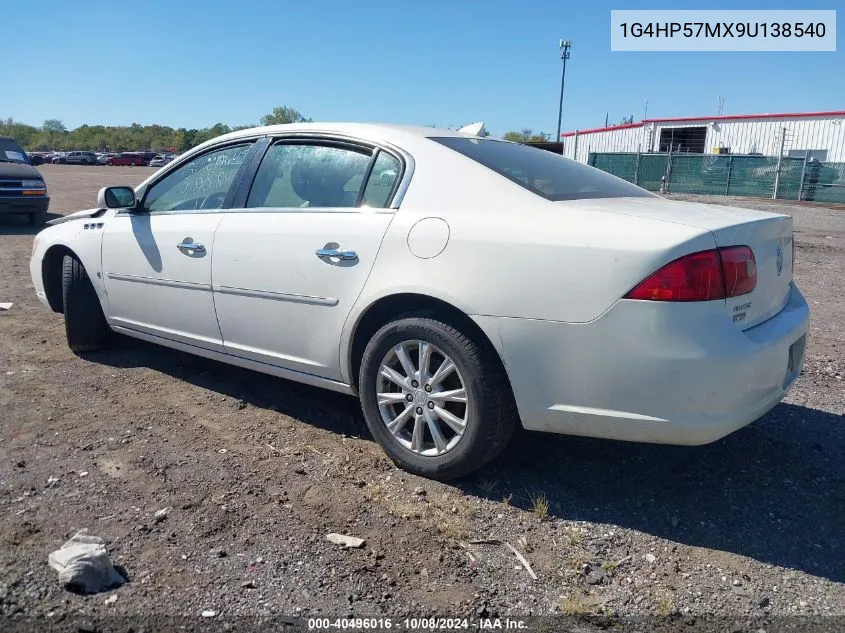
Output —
<point x="53" y="135"/>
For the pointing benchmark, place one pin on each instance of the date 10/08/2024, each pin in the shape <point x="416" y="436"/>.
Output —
<point x="416" y="624"/>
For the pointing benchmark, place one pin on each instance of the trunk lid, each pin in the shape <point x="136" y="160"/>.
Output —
<point x="769" y="235"/>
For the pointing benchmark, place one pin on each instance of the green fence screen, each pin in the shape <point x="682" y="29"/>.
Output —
<point x="728" y="175"/>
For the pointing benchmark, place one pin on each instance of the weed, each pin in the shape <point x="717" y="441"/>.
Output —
<point x="610" y="566"/>
<point x="665" y="605"/>
<point x="488" y="486"/>
<point x="574" y="604"/>
<point x="572" y="536"/>
<point x="540" y="505"/>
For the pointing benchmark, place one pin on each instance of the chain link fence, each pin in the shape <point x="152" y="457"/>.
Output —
<point x="728" y="175"/>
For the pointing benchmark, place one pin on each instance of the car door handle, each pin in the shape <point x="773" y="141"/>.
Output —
<point x="189" y="246"/>
<point x="336" y="252"/>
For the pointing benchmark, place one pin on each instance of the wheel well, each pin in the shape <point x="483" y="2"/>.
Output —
<point x="51" y="275"/>
<point x="388" y="308"/>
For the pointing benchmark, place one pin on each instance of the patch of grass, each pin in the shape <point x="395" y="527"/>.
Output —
<point x="574" y="604"/>
<point x="578" y="561"/>
<point x="488" y="486"/>
<point x="444" y="514"/>
<point x="665" y="605"/>
<point x="506" y="500"/>
<point x="572" y="536"/>
<point x="610" y="566"/>
<point x="540" y="505"/>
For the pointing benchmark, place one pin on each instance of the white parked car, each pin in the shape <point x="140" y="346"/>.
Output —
<point x="486" y="284"/>
<point x="162" y="159"/>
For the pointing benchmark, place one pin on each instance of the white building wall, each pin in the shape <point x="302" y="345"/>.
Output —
<point x="742" y="136"/>
<point x="624" y="140"/>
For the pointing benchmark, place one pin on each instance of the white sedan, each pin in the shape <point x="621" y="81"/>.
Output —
<point x="480" y="285"/>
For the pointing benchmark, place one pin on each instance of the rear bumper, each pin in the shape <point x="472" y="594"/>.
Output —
<point x="650" y="371"/>
<point x="23" y="204"/>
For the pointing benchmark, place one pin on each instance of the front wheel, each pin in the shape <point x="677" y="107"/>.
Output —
<point x="438" y="402"/>
<point x="85" y="324"/>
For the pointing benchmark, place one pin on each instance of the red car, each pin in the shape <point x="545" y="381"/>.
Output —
<point x="127" y="158"/>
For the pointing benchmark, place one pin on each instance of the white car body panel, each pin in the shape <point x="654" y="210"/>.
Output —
<point x="543" y="280"/>
<point x="764" y="232"/>
<point x="296" y="302"/>
<point x="649" y="371"/>
<point x="154" y="287"/>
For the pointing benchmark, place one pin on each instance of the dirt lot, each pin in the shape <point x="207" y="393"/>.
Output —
<point x="256" y="471"/>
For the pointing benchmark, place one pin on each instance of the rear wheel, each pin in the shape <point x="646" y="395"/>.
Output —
<point x="85" y="323"/>
<point x="438" y="403"/>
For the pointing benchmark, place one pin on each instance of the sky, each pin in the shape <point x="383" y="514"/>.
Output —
<point x="193" y="63"/>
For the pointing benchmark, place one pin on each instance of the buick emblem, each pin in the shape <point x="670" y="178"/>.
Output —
<point x="779" y="260"/>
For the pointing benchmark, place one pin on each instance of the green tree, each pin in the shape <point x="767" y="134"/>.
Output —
<point x="283" y="114"/>
<point x="526" y="135"/>
<point x="54" y="125"/>
<point x="626" y="120"/>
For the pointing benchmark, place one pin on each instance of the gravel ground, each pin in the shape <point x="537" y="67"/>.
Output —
<point x="255" y="471"/>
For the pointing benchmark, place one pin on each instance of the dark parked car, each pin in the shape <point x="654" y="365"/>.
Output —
<point x="81" y="158"/>
<point x="35" y="158"/>
<point x="132" y="159"/>
<point x="22" y="188"/>
<point x="148" y="156"/>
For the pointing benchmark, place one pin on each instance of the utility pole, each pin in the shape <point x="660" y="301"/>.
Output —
<point x="564" y="46"/>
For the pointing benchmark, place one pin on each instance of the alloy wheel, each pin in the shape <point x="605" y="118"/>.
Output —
<point x="422" y="398"/>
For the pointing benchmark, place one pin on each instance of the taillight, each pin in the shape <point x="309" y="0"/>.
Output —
<point x="740" y="270"/>
<point x="703" y="276"/>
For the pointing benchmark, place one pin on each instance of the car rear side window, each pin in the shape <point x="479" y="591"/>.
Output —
<point x="542" y="172"/>
<point x="382" y="180"/>
<point x="309" y="175"/>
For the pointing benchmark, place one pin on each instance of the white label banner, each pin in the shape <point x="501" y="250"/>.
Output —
<point x="683" y="30"/>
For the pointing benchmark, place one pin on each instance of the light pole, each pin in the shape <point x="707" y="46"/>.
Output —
<point x="564" y="45"/>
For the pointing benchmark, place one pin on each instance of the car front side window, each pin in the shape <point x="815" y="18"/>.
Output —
<point x="309" y="175"/>
<point x="201" y="183"/>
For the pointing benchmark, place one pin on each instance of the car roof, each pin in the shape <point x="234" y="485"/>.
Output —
<point x="387" y="132"/>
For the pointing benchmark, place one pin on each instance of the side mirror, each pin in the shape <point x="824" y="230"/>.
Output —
<point x="116" y="198"/>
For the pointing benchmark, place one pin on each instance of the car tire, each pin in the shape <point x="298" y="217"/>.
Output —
<point x="85" y="323"/>
<point x="489" y="412"/>
<point x="38" y="218"/>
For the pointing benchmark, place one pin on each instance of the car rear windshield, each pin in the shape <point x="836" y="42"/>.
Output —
<point x="542" y="172"/>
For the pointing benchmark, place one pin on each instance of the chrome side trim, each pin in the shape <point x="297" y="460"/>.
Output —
<point x="153" y="281"/>
<point x="266" y="368"/>
<point x="275" y="296"/>
<point x="610" y="413"/>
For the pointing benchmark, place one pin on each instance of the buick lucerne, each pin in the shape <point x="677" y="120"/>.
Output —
<point x="460" y="286"/>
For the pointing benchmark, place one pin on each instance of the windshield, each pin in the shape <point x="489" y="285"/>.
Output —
<point x="542" y="172"/>
<point x="11" y="152"/>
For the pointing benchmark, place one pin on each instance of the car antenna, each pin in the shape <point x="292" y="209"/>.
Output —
<point x="474" y="129"/>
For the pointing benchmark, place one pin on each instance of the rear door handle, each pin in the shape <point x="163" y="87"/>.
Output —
<point x="188" y="245"/>
<point x="337" y="253"/>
